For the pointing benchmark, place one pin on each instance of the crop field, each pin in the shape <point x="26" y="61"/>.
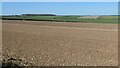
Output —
<point x="100" y="19"/>
<point x="48" y="43"/>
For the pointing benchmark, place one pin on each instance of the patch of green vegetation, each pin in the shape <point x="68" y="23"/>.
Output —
<point x="101" y="19"/>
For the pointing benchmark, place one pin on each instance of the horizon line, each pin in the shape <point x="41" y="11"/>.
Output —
<point x="64" y="14"/>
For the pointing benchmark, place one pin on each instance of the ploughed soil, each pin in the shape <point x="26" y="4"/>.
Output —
<point x="43" y="43"/>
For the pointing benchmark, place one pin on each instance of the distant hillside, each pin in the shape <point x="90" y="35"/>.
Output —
<point x="64" y="18"/>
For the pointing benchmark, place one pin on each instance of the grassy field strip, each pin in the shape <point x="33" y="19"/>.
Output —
<point x="100" y="19"/>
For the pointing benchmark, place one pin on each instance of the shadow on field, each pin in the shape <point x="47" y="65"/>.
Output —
<point x="10" y="65"/>
<point x="15" y="63"/>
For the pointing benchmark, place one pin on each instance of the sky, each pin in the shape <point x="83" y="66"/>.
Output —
<point x="60" y="0"/>
<point x="60" y="8"/>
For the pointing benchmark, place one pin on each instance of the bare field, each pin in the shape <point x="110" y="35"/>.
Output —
<point x="60" y="44"/>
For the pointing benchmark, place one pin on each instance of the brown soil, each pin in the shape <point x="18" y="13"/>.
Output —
<point x="41" y="43"/>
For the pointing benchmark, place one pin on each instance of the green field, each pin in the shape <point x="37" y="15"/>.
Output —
<point x="100" y="19"/>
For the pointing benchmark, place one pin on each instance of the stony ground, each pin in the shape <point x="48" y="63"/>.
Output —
<point x="60" y="44"/>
